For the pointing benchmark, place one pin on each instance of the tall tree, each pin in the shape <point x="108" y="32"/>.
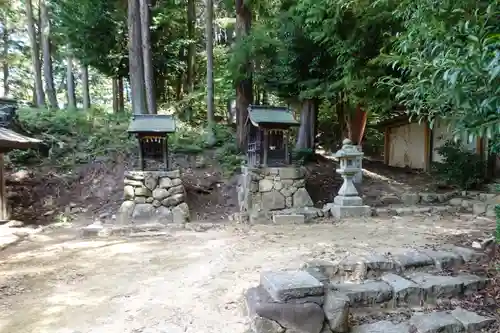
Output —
<point x="244" y="86"/>
<point x="47" y="55"/>
<point x="70" y="83"/>
<point x="147" y="55"/>
<point x="191" y="25"/>
<point x="209" y="35"/>
<point x="5" y="53"/>
<point x="136" y="64"/>
<point x="35" y="55"/>
<point x="85" y="86"/>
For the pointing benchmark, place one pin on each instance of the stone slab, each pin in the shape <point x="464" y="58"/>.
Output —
<point x="350" y="211"/>
<point x="469" y="255"/>
<point x="410" y="258"/>
<point x="436" y="322"/>
<point x="321" y="268"/>
<point x="382" y="327"/>
<point x="336" y="310"/>
<point x="471" y="321"/>
<point x="444" y="259"/>
<point x="289" y="219"/>
<point x="436" y="286"/>
<point x="303" y="318"/>
<point x="286" y="285"/>
<point x="404" y="291"/>
<point x="366" y="293"/>
<point x="472" y="283"/>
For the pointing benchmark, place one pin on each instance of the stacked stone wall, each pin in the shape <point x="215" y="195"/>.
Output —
<point x="154" y="196"/>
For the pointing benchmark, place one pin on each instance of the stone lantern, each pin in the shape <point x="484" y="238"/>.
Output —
<point x="348" y="203"/>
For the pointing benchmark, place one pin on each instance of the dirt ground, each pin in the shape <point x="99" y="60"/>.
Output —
<point x="59" y="282"/>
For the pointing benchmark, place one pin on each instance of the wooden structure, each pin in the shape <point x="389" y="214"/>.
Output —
<point x="408" y="143"/>
<point x="152" y="132"/>
<point x="269" y="135"/>
<point x="10" y="140"/>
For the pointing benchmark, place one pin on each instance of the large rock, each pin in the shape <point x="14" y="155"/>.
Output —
<point x="128" y="192"/>
<point x="181" y="213"/>
<point x="266" y="185"/>
<point x="336" y="308"/>
<point x="126" y="208"/>
<point x="300" y="318"/>
<point x="164" y="215"/>
<point x="301" y="198"/>
<point x="142" y="191"/>
<point x="435" y="322"/>
<point x="150" y="180"/>
<point x="133" y="182"/>
<point x="264" y="325"/>
<point x="160" y="194"/>
<point x="410" y="199"/>
<point x="273" y="200"/>
<point x="291" y="173"/>
<point x="176" y="190"/>
<point x="176" y="182"/>
<point x="165" y="182"/>
<point x="143" y="211"/>
<point x="173" y="200"/>
<point x="286" y="285"/>
<point x="382" y="327"/>
<point x="173" y="174"/>
<point x="471" y="321"/>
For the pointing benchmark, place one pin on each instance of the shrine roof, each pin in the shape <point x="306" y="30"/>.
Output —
<point x="12" y="140"/>
<point x="271" y="115"/>
<point x="148" y="123"/>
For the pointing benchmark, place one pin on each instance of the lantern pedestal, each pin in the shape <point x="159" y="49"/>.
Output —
<point x="348" y="203"/>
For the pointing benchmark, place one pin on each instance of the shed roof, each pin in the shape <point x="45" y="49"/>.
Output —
<point x="264" y="114"/>
<point x="12" y="140"/>
<point x="152" y="123"/>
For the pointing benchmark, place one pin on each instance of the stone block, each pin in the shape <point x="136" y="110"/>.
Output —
<point x="151" y="180"/>
<point x="140" y="200"/>
<point x="404" y="291"/>
<point x="176" y="182"/>
<point x="336" y="308"/>
<point x="324" y="268"/>
<point x="469" y="255"/>
<point x="348" y="201"/>
<point x="472" y="283"/>
<point x="164" y="215"/>
<point x="128" y="192"/>
<point x="273" y="200"/>
<point x="143" y="211"/>
<point x="410" y="199"/>
<point x="180" y="213"/>
<point x="366" y="293"/>
<point x="444" y="259"/>
<point x="300" y="318"/>
<point x="160" y="194"/>
<point x="127" y="208"/>
<point x="259" y="324"/>
<point x="291" y="173"/>
<point x="490" y="211"/>
<point x="288" y="219"/>
<point x="176" y="190"/>
<point x="173" y="174"/>
<point x="133" y="182"/>
<point x="390" y="199"/>
<point x="286" y="285"/>
<point x="266" y="185"/>
<point x="410" y="258"/>
<point x="436" y="322"/>
<point x="479" y="208"/>
<point x="173" y="200"/>
<point x="437" y="286"/>
<point x="350" y="211"/>
<point x="142" y="191"/>
<point x="377" y="264"/>
<point x="382" y="327"/>
<point x="456" y="201"/>
<point x="428" y="197"/>
<point x="472" y="322"/>
<point x="301" y="198"/>
<point x="165" y="183"/>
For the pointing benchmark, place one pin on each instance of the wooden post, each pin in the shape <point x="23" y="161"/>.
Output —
<point x="4" y="216"/>
<point x="141" y="155"/>
<point x="285" y="138"/>
<point x="165" y="152"/>
<point x="266" y="145"/>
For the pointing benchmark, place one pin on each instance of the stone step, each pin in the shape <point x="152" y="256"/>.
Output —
<point x="412" y="210"/>
<point x="374" y="265"/>
<point x="456" y="321"/>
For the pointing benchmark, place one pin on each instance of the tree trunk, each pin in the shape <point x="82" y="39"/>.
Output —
<point x="114" y="83"/>
<point x="85" y="87"/>
<point x="5" y="64"/>
<point x="244" y="93"/>
<point x="70" y="84"/>
<point x="121" y="99"/>
<point x="47" y="57"/>
<point x="191" y="21"/>
<point x="147" y="56"/>
<point x="210" y="71"/>
<point x="136" y="65"/>
<point x="305" y="138"/>
<point x="35" y="56"/>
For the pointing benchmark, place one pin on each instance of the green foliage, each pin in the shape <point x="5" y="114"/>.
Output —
<point x="460" y="167"/>
<point x="229" y="157"/>
<point x="72" y="137"/>
<point x="448" y="58"/>
<point x="302" y="156"/>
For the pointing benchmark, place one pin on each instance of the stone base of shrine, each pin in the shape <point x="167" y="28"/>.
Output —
<point x="153" y="196"/>
<point x="340" y="212"/>
<point x="267" y="192"/>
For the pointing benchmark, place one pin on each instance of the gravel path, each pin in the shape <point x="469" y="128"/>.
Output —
<point x="185" y="282"/>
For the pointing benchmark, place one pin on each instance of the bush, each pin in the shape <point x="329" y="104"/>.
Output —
<point x="460" y="167"/>
<point x="302" y="156"/>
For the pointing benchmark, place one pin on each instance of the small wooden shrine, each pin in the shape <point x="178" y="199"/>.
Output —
<point x="152" y="132"/>
<point x="269" y="135"/>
